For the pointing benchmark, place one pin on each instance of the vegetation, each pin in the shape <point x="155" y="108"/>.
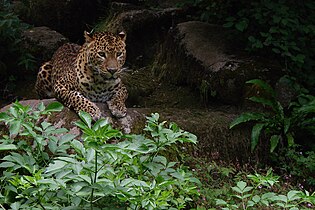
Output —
<point x="47" y="168"/>
<point x="280" y="124"/>
<point x="224" y="187"/>
<point x="13" y="57"/>
<point x="44" y="167"/>
<point x="11" y="50"/>
<point x="284" y="29"/>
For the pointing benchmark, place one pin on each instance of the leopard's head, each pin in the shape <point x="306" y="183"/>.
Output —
<point x="106" y="52"/>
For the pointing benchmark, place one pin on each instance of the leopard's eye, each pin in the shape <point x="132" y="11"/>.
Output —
<point x="102" y="54"/>
<point x="119" y="54"/>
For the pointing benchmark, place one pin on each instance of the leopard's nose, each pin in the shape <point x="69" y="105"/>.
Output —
<point x="112" y="70"/>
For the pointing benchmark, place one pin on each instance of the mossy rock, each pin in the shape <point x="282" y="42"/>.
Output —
<point x="212" y="59"/>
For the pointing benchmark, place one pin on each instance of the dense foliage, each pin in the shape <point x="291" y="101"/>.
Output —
<point x="12" y="54"/>
<point x="47" y="168"/>
<point x="224" y="187"/>
<point x="282" y="28"/>
<point x="281" y="124"/>
<point x="44" y="167"/>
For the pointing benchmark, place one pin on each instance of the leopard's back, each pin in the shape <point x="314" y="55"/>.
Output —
<point x="61" y="68"/>
<point x="63" y="65"/>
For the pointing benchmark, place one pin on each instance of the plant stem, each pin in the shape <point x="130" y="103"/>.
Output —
<point x="94" y="181"/>
<point x="2" y="207"/>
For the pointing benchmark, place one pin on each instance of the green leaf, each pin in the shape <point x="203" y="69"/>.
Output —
<point x="86" y="118"/>
<point x="293" y="195"/>
<point x="220" y="202"/>
<point x="241" y="185"/>
<point x="228" y="24"/>
<point x="160" y="159"/>
<point x="290" y="139"/>
<point x="262" y="84"/>
<point x="15" y="206"/>
<point x="242" y="25"/>
<point x="4" y="147"/>
<point x="274" y="140"/>
<point x="248" y="116"/>
<point x="261" y="100"/>
<point x="255" y="134"/>
<point x="256" y="198"/>
<point x="15" y="127"/>
<point x="4" y="116"/>
<point x="56" y="166"/>
<point x="287" y="124"/>
<point x="54" y="107"/>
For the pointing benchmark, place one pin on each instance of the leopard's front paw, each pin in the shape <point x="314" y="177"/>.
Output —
<point x="95" y="112"/>
<point x="117" y="111"/>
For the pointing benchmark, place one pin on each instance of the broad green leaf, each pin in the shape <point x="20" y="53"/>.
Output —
<point x="250" y="203"/>
<point x="14" y="111"/>
<point x="7" y="147"/>
<point x="15" y="127"/>
<point x="220" y="202"/>
<point x="256" y="198"/>
<point x="269" y="196"/>
<point x="261" y="100"/>
<point x="241" y="185"/>
<point x="54" y="107"/>
<point x="41" y="107"/>
<point x="246" y="117"/>
<point x="236" y="189"/>
<point x="160" y="159"/>
<point x="287" y="124"/>
<point x="290" y="139"/>
<point x="6" y="164"/>
<point x="262" y="84"/>
<point x="228" y="24"/>
<point x="241" y="25"/>
<point x="293" y="195"/>
<point x="308" y="108"/>
<point x="56" y="166"/>
<point x="67" y="137"/>
<point x="255" y="134"/>
<point x="274" y="140"/>
<point x="282" y="198"/>
<point x="4" y="116"/>
<point x="86" y="118"/>
<point x="15" y="206"/>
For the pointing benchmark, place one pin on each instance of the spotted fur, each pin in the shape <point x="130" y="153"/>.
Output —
<point x="78" y="76"/>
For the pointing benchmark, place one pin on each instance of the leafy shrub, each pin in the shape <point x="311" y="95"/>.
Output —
<point x="52" y="170"/>
<point x="299" y="163"/>
<point x="225" y="187"/>
<point x="259" y="194"/>
<point x="281" y="126"/>
<point x="11" y="52"/>
<point x="282" y="28"/>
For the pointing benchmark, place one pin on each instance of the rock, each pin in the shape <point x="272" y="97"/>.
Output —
<point x="144" y="28"/>
<point x="42" y="42"/>
<point x="286" y="91"/>
<point x="215" y="139"/>
<point x="208" y="58"/>
<point x="69" y="17"/>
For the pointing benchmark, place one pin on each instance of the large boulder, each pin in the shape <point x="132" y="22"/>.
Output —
<point x="211" y="58"/>
<point x="145" y="29"/>
<point x="42" y="42"/>
<point x="69" y="17"/>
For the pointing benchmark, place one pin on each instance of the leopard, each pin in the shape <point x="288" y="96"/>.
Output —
<point x="81" y="75"/>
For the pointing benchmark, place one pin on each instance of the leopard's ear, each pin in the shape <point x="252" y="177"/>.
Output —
<point x="88" y="37"/>
<point x="122" y="35"/>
